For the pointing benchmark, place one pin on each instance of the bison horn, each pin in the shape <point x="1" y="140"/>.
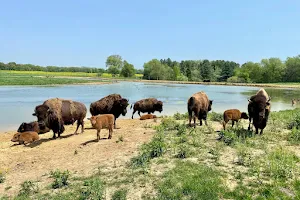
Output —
<point x="88" y="118"/>
<point x="249" y="100"/>
<point x="33" y="114"/>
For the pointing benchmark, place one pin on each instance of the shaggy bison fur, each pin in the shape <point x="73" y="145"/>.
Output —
<point x="149" y="105"/>
<point x="55" y="113"/>
<point x="234" y="115"/>
<point x="32" y="126"/>
<point x="200" y="105"/>
<point x="103" y="121"/>
<point x="259" y="108"/>
<point x="147" y="116"/>
<point x="111" y="104"/>
<point x="25" y="137"/>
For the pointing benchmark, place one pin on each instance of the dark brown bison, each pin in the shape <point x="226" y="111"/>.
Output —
<point x="111" y="104"/>
<point x="55" y="113"/>
<point x="200" y="105"/>
<point x="259" y="108"/>
<point x="234" y="115"/>
<point x="149" y="105"/>
<point x="32" y="126"/>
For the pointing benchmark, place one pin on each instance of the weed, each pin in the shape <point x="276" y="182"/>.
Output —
<point x="120" y="139"/>
<point x="183" y="151"/>
<point x="155" y="148"/>
<point x="181" y="129"/>
<point x="218" y="117"/>
<point x="295" y="122"/>
<point x="169" y="124"/>
<point x="178" y="116"/>
<point x="93" y="189"/>
<point x="119" y="195"/>
<point x="190" y="181"/>
<point x="294" y="136"/>
<point x="60" y="178"/>
<point x="28" y="188"/>
<point x="2" y="177"/>
<point x="244" y="157"/>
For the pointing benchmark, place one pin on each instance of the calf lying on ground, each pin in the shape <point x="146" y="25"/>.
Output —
<point x="234" y="115"/>
<point x="103" y="121"/>
<point x="147" y="116"/>
<point x="25" y="137"/>
<point x="32" y="126"/>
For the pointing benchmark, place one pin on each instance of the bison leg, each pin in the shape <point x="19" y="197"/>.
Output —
<point x="133" y="113"/>
<point x="98" y="135"/>
<point x="82" y="126"/>
<point x="232" y="124"/>
<point x="195" y="121"/>
<point x="78" y="124"/>
<point x="139" y="112"/>
<point x="110" y="133"/>
<point x="261" y="131"/>
<point x="205" y="121"/>
<point x="256" y="130"/>
<point x="190" y="118"/>
<point x="249" y="123"/>
<point x="149" y="112"/>
<point x="54" y="136"/>
<point x="200" y="122"/>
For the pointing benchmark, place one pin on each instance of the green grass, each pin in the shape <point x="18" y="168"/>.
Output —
<point x="60" y="178"/>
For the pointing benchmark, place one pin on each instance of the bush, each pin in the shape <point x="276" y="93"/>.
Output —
<point x="183" y="151"/>
<point x="294" y="136"/>
<point x="119" y="195"/>
<point x="93" y="189"/>
<point x="178" y="116"/>
<point x="155" y="148"/>
<point x="60" y="178"/>
<point x="168" y="124"/>
<point x="295" y="123"/>
<point x="28" y="188"/>
<point x="218" y="117"/>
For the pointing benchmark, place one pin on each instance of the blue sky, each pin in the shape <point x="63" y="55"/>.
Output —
<point x="84" y="33"/>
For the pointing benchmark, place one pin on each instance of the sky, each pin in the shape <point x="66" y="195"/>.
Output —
<point x="85" y="33"/>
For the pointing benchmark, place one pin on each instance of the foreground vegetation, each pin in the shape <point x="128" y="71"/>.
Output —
<point x="186" y="163"/>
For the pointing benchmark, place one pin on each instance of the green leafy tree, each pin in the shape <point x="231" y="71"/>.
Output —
<point x="292" y="72"/>
<point x="206" y="70"/>
<point x="273" y="70"/>
<point x="127" y="69"/>
<point x="114" y="70"/>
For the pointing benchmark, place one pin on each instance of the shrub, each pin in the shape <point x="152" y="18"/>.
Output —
<point x="168" y="124"/>
<point x="218" y="117"/>
<point x="183" y="151"/>
<point x="294" y="136"/>
<point x="60" y="178"/>
<point x="119" y="195"/>
<point x="295" y="123"/>
<point x="155" y="148"/>
<point x="93" y="189"/>
<point x="178" y="116"/>
<point x="28" y="188"/>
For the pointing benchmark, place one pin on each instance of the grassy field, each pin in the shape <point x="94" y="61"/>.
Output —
<point x="49" y="78"/>
<point x="186" y="163"/>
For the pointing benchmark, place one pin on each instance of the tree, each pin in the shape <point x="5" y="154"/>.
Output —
<point x="292" y="72"/>
<point x="206" y="70"/>
<point x="113" y="70"/>
<point x="254" y="71"/>
<point x="272" y="70"/>
<point x="127" y="69"/>
<point x="114" y="60"/>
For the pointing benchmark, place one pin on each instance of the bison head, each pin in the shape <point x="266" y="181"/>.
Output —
<point x="22" y="127"/>
<point x="209" y="105"/>
<point x="122" y="104"/>
<point x="42" y="112"/>
<point x="158" y="106"/>
<point x="93" y="120"/>
<point x="16" y="137"/>
<point x="260" y="106"/>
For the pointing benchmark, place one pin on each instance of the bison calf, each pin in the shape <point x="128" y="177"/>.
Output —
<point x="25" y="137"/>
<point x="234" y="115"/>
<point x="103" y="121"/>
<point x="147" y="116"/>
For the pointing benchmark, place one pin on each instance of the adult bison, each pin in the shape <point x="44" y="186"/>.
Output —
<point x="149" y="105"/>
<point x="259" y="108"/>
<point x="55" y="113"/>
<point x="32" y="126"/>
<point x="200" y="105"/>
<point x="111" y="104"/>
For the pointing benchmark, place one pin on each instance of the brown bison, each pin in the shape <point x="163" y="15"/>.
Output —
<point x="259" y="108"/>
<point x="111" y="104"/>
<point x="103" y="121"/>
<point x="147" y="116"/>
<point x="25" y="137"/>
<point x="149" y="105"/>
<point x="55" y="113"/>
<point x="234" y="115"/>
<point x="32" y="126"/>
<point x="200" y="105"/>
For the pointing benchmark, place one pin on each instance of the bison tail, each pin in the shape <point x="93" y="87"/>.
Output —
<point x="191" y="103"/>
<point x="131" y="106"/>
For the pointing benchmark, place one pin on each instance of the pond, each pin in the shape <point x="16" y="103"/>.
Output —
<point x="17" y="103"/>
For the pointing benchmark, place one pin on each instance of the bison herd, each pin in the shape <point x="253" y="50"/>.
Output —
<point x="54" y="113"/>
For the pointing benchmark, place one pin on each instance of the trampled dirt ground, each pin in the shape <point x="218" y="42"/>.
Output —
<point x="80" y="154"/>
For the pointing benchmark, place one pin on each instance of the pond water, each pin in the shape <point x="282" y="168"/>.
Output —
<point x="17" y="103"/>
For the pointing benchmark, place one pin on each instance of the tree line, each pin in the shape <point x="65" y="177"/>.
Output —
<point x="270" y="70"/>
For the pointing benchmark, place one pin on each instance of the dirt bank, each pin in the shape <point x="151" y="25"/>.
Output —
<point x="80" y="154"/>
